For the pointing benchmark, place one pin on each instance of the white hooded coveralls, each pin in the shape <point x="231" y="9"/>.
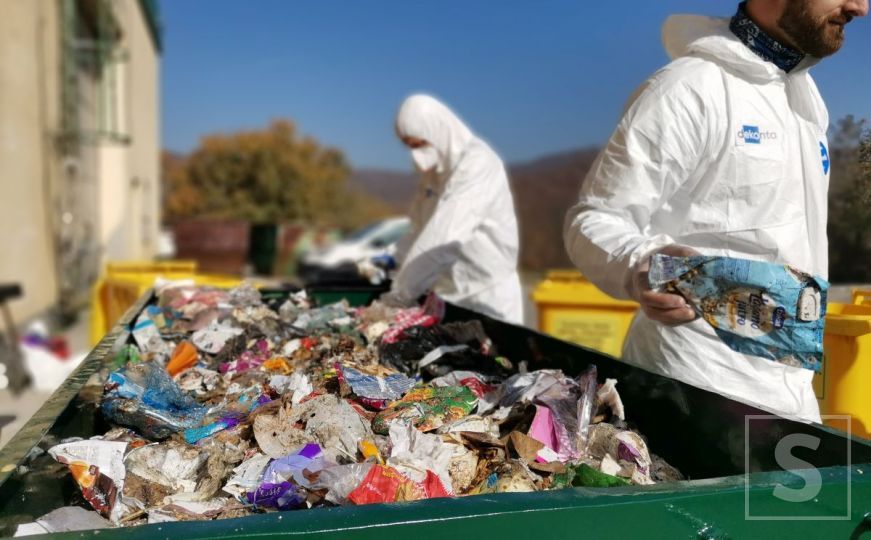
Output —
<point x="726" y="153"/>
<point x="464" y="241"/>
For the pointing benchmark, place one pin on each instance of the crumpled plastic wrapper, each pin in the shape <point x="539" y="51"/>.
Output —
<point x="769" y="310"/>
<point x="98" y="468"/>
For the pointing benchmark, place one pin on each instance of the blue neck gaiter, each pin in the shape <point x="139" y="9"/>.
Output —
<point x="763" y="45"/>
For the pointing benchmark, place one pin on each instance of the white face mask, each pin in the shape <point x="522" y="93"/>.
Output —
<point x="426" y="158"/>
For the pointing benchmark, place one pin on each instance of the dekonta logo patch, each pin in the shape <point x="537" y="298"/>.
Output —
<point x="753" y="135"/>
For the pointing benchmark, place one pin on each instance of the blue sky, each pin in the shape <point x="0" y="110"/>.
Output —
<point x="532" y="77"/>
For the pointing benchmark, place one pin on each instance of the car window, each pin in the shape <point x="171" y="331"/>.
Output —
<point x="359" y="234"/>
<point x="392" y="234"/>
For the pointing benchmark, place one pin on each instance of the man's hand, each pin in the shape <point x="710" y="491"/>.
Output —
<point x="666" y="308"/>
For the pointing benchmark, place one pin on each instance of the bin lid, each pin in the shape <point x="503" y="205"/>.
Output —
<point x="862" y="297"/>
<point x="151" y="267"/>
<point x="848" y="319"/>
<point x="570" y="287"/>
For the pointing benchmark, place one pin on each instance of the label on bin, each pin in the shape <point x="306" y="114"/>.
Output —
<point x="596" y="331"/>
<point x="762" y="309"/>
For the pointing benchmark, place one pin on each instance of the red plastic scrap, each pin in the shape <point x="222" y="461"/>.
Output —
<point x="382" y="484"/>
<point x="433" y="487"/>
<point x="478" y="387"/>
<point x="377" y="404"/>
<point x="385" y="484"/>
<point x="404" y="320"/>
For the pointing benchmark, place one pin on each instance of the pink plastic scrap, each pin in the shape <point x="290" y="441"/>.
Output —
<point x="543" y="431"/>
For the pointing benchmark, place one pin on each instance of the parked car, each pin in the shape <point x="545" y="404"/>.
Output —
<point x="338" y="262"/>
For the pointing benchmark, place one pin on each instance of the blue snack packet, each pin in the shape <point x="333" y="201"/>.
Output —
<point x="761" y="309"/>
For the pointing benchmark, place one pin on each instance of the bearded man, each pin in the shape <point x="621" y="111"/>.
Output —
<point x="721" y="152"/>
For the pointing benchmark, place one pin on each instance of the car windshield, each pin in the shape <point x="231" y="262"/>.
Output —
<point x="365" y="231"/>
<point x="393" y="234"/>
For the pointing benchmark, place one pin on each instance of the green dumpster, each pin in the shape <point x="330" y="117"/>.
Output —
<point x="751" y="474"/>
<point x="263" y="241"/>
<point x="356" y="295"/>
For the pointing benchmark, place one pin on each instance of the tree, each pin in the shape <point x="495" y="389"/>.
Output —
<point x="849" y="226"/>
<point x="267" y="176"/>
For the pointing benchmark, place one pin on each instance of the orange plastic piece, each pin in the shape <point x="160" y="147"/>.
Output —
<point x="278" y="364"/>
<point x="183" y="357"/>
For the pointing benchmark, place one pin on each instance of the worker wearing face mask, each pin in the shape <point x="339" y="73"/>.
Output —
<point x="463" y="244"/>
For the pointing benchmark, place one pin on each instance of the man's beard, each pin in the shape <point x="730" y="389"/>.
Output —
<point x="816" y="37"/>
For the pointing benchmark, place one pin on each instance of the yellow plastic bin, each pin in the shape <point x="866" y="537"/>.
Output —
<point x="842" y="385"/>
<point x="862" y="297"/>
<point x="124" y="282"/>
<point x="573" y="309"/>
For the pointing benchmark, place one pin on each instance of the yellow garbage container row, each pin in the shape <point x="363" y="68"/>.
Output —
<point x="184" y="268"/>
<point x="573" y="309"/>
<point x="124" y="282"/>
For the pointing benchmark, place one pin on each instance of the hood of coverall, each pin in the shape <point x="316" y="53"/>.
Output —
<point x="424" y="117"/>
<point x="710" y="37"/>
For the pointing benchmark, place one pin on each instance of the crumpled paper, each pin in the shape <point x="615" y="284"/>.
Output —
<point x="212" y="338"/>
<point x="246" y="476"/>
<point x="147" y="336"/>
<point x="414" y="453"/>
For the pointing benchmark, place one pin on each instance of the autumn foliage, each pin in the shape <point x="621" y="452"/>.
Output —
<point x="266" y="176"/>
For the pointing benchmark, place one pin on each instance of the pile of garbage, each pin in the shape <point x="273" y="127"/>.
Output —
<point x="224" y="405"/>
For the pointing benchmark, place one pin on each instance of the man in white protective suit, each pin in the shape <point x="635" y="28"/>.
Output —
<point x="464" y="242"/>
<point x="721" y="152"/>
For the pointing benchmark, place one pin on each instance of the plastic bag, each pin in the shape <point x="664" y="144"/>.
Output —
<point x="762" y="309"/>
<point x="586" y="407"/>
<point x="564" y="400"/>
<point x="386" y="484"/>
<point x="144" y="396"/>
<point x="309" y="459"/>
<point x="442" y="348"/>
<point x="341" y="480"/>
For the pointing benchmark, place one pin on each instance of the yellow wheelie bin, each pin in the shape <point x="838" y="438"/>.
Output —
<point x="573" y="309"/>
<point x="842" y="385"/>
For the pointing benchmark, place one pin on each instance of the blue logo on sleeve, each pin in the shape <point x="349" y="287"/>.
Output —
<point x="824" y="153"/>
